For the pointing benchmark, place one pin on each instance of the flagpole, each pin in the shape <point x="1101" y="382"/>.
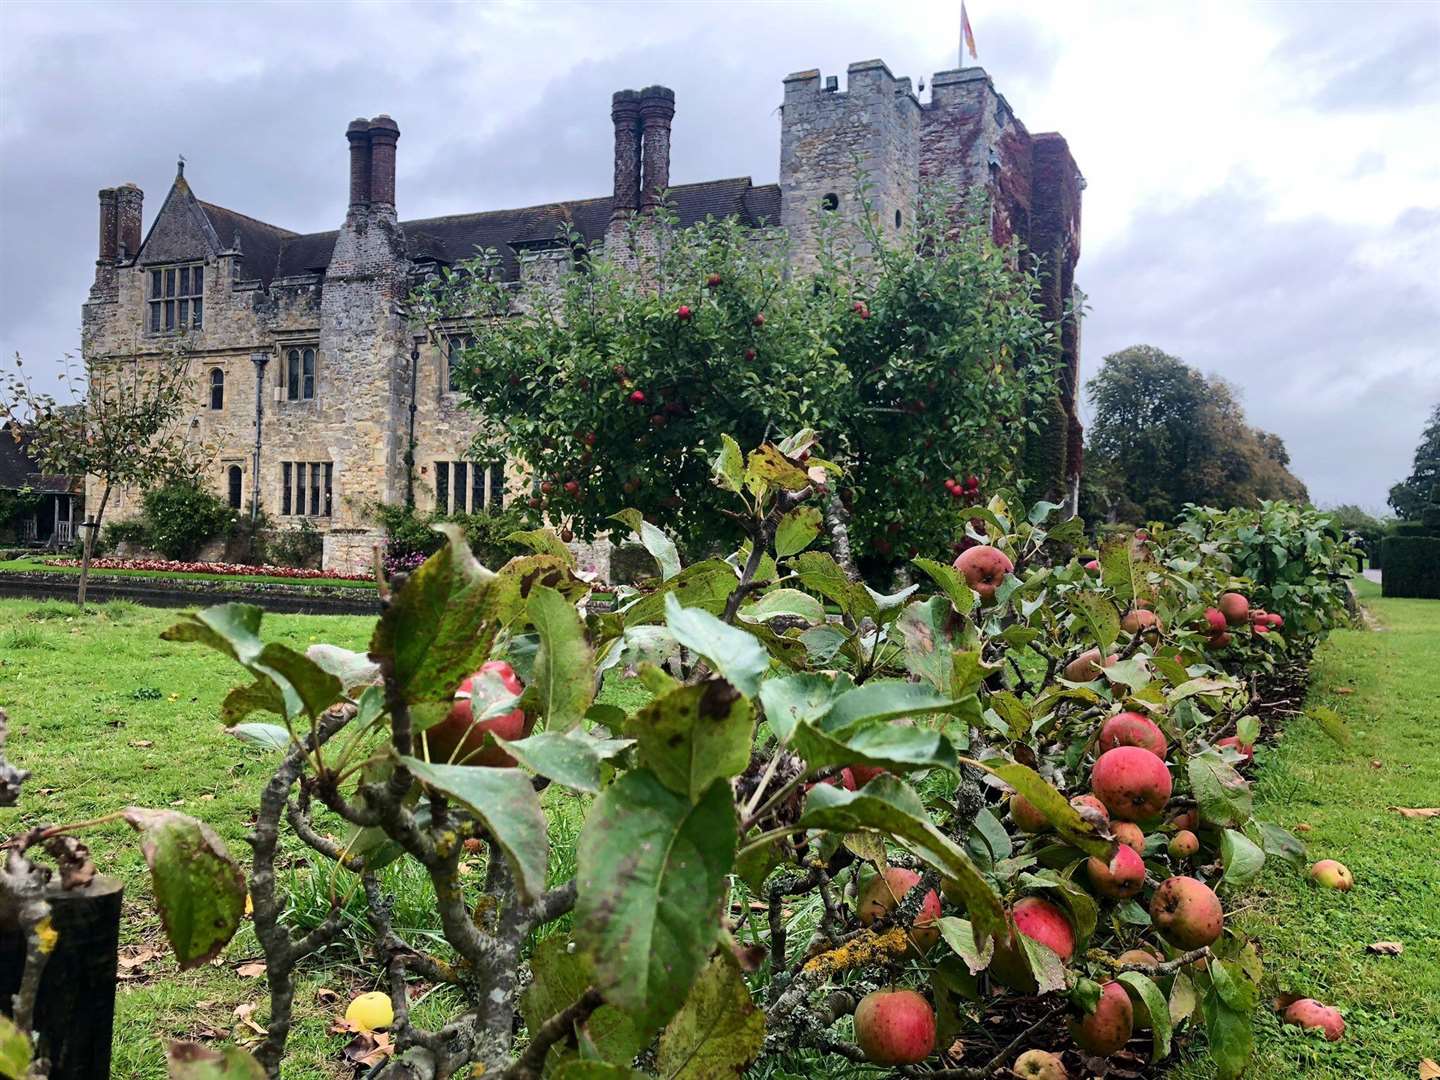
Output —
<point x="961" y="35"/>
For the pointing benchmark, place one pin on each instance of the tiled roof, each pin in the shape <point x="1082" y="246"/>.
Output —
<point x="260" y="243"/>
<point x="19" y="470"/>
<point x="457" y="237"/>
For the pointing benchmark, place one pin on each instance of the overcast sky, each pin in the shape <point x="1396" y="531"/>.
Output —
<point x="1264" y="179"/>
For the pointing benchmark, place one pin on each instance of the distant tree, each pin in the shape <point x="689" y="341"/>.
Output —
<point x="122" y="426"/>
<point x="1421" y="488"/>
<point x="1163" y="434"/>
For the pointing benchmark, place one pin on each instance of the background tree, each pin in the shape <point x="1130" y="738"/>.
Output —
<point x="1421" y="488"/>
<point x="917" y="362"/>
<point x="1163" y="434"/>
<point x="122" y="426"/>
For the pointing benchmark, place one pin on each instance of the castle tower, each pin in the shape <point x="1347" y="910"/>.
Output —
<point x="827" y="135"/>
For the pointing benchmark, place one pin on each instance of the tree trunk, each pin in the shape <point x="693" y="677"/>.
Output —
<point x="90" y="534"/>
<point x="837" y="518"/>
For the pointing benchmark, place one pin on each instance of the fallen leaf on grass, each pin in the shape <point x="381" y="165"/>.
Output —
<point x="1304" y="826"/>
<point x="1417" y="811"/>
<point x="251" y="969"/>
<point x="1385" y="948"/>
<point x="1429" y="1070"/>
<point x="325" y="994"/>
<point x="367" y="1047"/>
<point x="1344" y="689"/>
<point x="141" y="744"/>
<point x="1377" y="764"/>
<point x="243" y="1012"/>
<point x="131" y="962"/>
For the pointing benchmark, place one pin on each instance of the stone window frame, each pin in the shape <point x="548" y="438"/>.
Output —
<point x="216" y="389"/>
<point x="298" y="349"/>
<point x="234" y="484"/>
<point x="483" y="485"/>
<point x="174" y="297"/>
<point x="307" y="483"/>
<point x="448" y="338"/>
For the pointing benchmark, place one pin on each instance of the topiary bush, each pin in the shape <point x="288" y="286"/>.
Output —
<point x="1412" y="566"/>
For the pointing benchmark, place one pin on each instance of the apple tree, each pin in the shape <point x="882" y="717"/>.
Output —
<point x="918" y="362"/>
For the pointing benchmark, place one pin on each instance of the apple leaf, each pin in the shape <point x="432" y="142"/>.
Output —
<point x="542" y="541"/>
<point x="820" y="572"/>
<point x="504" y="802"/>
<point x="790" y="602"/>
<point x="952" y="583"/>
<point x="1230" y="1033"/>
<point x="1281" y="843"/>
<point x="1143" y="987"/>
<point x="564" y="667"/>
<point x="569" y="761"/>
<point x="796" y="530"/>
<point x="559" y="975"/>
<point x="728" y="468"/>
<point x="960" y="936"/>
<point x="732" y="652"/>
<point x="262" y="736"/>
<point x="199" y="889"/>
<point x="1223" y="795"/>
<point x="660" y="546"/>
<point x="1099" y="614"/>
<point x="651" y="870"/>
<point x="1243" y="859"/>
<point x="705" y="585"/>
<point x="16" y="1053"/>
<point x="694" y="735"/>
<point x="718" y="1031"/>
<point x="1331" y="723"/>
<point x="1038" y="791"/>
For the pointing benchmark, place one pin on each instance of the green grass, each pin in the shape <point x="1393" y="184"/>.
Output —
<point x="32" y="565"/>
<point x="106" y="715"/>
<point x="1313" y="939"/>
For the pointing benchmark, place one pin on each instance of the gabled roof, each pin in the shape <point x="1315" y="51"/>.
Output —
<point x="259" y="243"/>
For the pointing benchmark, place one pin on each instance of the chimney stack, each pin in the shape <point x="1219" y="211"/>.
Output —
<point x="129" y="207"/>
<point x="107" y="225"/>
<point x="384" y="134"/>
<point x="358" y="133"/>
<point x="625" y="112"/>
<point x="657" y="107"/>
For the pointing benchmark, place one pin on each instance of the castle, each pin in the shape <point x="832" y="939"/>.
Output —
<point x="313" y="384"/>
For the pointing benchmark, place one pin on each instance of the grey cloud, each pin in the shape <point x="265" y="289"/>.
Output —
<point x="1336" y="355"/>
<point x="1366" y="56"/>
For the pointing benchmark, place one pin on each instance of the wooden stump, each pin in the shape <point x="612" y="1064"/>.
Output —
<point x="75" y="1010"/>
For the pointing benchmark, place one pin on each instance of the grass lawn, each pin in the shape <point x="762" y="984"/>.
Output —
<point x="32" y="565"/>
<point x="1314" y="939"/>
<point x="105" y="715"/>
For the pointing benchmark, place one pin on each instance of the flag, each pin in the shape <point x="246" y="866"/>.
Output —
<point x="967" y="35"/>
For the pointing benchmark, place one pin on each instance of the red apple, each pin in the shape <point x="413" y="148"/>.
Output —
<point x="882" y="895"/>
<point x="1109" y="1027"/>
<point x="1025" y="815"/>
<point x="459" y="739"/>
<point x="1312" y="1016"/>
<point x="1140" y="621"/>
<point x="1220" y="640"/>
<point x="1040" y="921"/>
<point x="683" y="313"/>
<point x="1132" y="782"/>
<point x="1183" y="845"/>
<point x="1187" y="913"/>
<point x="863" y="774"/>
<point x="713" y="281"/>
<point x="1092" y="810"/>
<point x="1190" y="819"/>
<point x="637" y="397"/>
<point x="895" y="1027"/>
<point x="1131" y="835"/>
<point x="1332" y="875"/>
<point x="1119" y="879"/>
<point x="1215" y="620"/>
<point x="984" y="568"/>
<point x="1234" y="607"/>
<point x="760" y="319"/>
<point x="1132" y="729"/>
<point x="1086" y="667"/>
<point x="1245" y="750"/>
<point x="1093" y="566"/>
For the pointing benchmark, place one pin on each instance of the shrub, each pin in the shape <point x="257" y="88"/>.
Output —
<point x="181" y="516"/>
<point x="130" y="531"/>
<point x="298" y="547"/>
<point x="411" y="535"/>
<point x="1412" y="566"/>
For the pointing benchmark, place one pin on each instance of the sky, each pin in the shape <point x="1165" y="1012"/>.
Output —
<point x="1263" y="192"/>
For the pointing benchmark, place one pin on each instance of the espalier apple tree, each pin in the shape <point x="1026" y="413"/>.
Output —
<point x="841" y="826"/>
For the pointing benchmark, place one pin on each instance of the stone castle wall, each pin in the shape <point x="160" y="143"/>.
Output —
<point x="359" y="420"/>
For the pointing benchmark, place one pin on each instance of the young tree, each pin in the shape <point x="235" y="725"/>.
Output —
<point x="1421" y="488"/>
<point x="919" y="362"/>
<point x="122" y="426"/>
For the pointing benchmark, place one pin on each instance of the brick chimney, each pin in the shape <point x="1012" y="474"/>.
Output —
<point x="657" y="107"/>
<point x="384" y="134"/>
<point x="625" y="112"/>
<point x="129" y="207"/>
<point x="358" y="133"/>
<point x="107" y="225"/>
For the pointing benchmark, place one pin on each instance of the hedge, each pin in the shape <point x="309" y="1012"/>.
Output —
<point x="1412" y="566"/>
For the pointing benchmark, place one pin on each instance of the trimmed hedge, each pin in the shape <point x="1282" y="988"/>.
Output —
<point x="1412" y="566"/>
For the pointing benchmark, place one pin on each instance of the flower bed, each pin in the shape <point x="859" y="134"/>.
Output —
<point x="221" y="568"/>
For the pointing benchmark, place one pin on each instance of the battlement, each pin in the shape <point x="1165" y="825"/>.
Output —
<point x="865" y="80"/>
